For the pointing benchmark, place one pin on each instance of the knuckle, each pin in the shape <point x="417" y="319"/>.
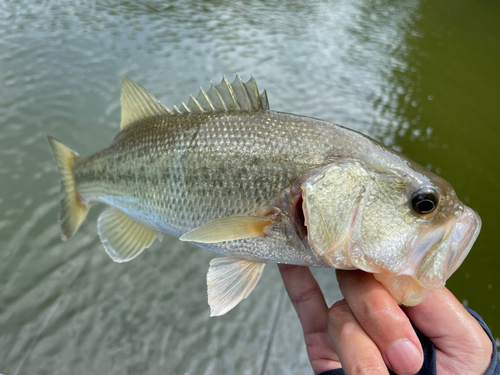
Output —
<point x="384" y="312"/>
<point x="342" y="320"/>
<point x="339" y="309"/>
<point x="305" y="295"/>
<point x="385" y="324"/>
<point x="367" y="363"/>
<point x="379" y="312"/>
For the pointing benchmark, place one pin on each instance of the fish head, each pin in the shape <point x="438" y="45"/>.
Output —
<point x="405" y="225"/>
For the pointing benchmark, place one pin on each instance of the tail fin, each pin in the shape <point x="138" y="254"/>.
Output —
<point x="74" y="210"/>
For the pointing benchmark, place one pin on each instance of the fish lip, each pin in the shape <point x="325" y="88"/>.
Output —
<point x="443" y="257"/>
<point x="442" y="251"/>
<point x="471" y="222"/>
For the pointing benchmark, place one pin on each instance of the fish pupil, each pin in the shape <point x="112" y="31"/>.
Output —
<point x="425" y="206"/>
<point x="424" y="202"/>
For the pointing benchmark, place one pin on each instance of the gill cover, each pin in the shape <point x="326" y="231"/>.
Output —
<point x="331" y="200"/>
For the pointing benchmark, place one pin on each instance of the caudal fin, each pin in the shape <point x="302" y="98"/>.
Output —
<point x="74" y="210"/>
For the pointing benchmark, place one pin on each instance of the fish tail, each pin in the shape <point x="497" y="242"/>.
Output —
<point x="74" y="210"/>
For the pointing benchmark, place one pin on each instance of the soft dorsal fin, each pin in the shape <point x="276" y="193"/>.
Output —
<point x="224" y="97"/>
<point x="138" y="104"/>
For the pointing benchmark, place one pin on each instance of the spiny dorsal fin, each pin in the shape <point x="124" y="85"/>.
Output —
<point x="224" y="97"/>
<point x="138" y="104"/>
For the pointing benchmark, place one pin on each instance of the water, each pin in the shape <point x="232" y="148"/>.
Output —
<point x="421" y="76"/>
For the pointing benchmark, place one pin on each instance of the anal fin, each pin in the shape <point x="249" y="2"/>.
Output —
<point x="229" y="280"/>
<point x="123" y="237"/>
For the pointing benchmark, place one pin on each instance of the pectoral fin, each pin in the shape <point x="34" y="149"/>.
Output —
<point x="123" y="237"/>
<point x="229" y="280"/>
<point x="228" y="229"/>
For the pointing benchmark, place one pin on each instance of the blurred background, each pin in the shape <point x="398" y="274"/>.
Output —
<point x="420" y="76"/>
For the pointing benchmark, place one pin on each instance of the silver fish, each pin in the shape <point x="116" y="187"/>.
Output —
<point x="230" y="175"/>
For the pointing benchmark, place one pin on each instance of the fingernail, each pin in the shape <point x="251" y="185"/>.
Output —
<point x="404" y="357"/>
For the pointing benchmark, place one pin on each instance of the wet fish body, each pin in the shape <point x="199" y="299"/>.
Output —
<point x="192" y="179"/>
<point x="259" y="186"/>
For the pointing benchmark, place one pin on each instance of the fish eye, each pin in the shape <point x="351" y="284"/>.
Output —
<point x="424" y="201"/>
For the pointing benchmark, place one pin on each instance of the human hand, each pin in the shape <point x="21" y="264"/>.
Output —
<point x="367" y="331"/>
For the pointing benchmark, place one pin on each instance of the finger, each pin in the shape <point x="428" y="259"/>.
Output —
<point x="357" y="352"/>
<point x="308" y="301"/>
<point x="383" y="320"/>
<point x="453" y="331"/>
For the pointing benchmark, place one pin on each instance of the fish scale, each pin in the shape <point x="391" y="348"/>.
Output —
<point x="230" y="175"/>
<point x="179" y="167"/>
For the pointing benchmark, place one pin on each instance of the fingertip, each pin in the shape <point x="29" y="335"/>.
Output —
<point x="403" y="357"/>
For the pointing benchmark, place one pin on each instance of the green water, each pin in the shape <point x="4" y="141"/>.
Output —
<point x="451" y="106"/>
<point x="421" y="76"/>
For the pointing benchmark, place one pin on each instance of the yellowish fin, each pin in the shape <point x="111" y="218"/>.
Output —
<point x="235" y="96"/>
<point x="74" y="210"/>
<point x="123" y="237"/>
<point x="228" y="229"/>
<point x="138" y="104"/>
<point x="229" y="280"/>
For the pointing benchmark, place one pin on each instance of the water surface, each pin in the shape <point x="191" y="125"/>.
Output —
<point x="420" y="76"/>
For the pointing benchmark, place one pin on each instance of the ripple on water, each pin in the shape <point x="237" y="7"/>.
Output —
<point x="60" y="67"/>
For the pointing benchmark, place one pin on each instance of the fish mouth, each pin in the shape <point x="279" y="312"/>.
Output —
<point x="447" y="255"/>
<point x="435" y="256"/>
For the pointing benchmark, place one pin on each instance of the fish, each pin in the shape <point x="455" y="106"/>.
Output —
<point x="227" y="173"/>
